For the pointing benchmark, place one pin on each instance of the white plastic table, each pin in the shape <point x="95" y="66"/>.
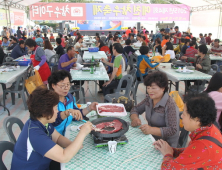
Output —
<point x="215" y="57"/>
<point x="91" y="158"/>
<point x="97" y="55"/>
<point x="9" y="77"/>
<point x="177" y="77"/>
<point x="86" y="75"/>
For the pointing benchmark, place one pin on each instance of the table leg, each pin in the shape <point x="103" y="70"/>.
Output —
<point x="185" y="86"/>
<point x="177" y="86"/>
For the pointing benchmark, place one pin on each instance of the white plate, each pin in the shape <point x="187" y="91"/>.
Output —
<point x="115" y="114"/>
<point x="186" y="72"/>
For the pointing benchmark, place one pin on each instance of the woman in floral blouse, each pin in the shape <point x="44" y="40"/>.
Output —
<point x="198" y="118"/>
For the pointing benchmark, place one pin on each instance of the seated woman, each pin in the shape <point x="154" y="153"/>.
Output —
<point x="39" y="145"/>
<point x="49" y="51"/>
<point x="202" y="63"/>
<point x="144" y="63"/>
<point x="191" y="51"/>
<point x="214" y="90"/>
<point x="157" y="46"/>
<point x="198" y="117"/>
<point x="161" y="111"/>
<point x="128" y="49"/>
<point x="168" y="49"/>
<point x="60" y="82"/>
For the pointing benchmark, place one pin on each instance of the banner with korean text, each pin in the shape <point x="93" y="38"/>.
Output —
<point x="115" y="11"/>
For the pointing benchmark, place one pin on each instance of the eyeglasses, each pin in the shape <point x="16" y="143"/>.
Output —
<point x="64" y="86"/>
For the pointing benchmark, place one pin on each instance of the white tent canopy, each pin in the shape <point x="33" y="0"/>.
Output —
<point x="20" y="2"/>
<point x="198" y="3"/>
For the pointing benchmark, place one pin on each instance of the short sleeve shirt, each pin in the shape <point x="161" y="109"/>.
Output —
<point x="65" y="58"/>
<point x="118" y="63"/>
<point x="33" y="143"/>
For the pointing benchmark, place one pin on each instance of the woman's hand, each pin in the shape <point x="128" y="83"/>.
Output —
<point x="135" y="122"/>
<point x="146" y="129"/>
<point x="93" y="106"/>
<point x="163" y="147"/>
<point x="76" y="114"/>
<point x="86" y="128"/>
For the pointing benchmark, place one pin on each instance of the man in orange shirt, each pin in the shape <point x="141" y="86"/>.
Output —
<point x="167" y="39"/>
<point x="128" y="31"/>
<point x="135" y="32"/>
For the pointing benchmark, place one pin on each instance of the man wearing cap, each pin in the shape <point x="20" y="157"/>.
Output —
<point x="177" y="35"/>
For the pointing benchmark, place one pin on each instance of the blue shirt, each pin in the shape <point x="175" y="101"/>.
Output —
<point x="65" y="58"/>
<point x="17" y="51"/>
<point x="33" y="143"/>
<point x="38" y="40"/>
<point x="5" y="44"/>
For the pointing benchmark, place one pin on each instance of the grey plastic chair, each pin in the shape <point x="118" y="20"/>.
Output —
<point x="5" y="146"/>
<point x="196" y="89"/>
<point x="183" y="138"/>
<point x="133" y="89"/>
<point x="129" y="80"/>
<point x="9" y="59"/>
<point x="8" y="123"/>
<point x="76" y="89"/>
<point x="127" y="57"/>
<point x="133" y="60"/>
<point x="17" y="87"/>
<point x="214" y="67"/>
<point x="53" y="60"/>
<point x="137" y="81"/>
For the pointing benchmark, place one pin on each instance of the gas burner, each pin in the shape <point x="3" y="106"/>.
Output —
<point x="101" y="142"/>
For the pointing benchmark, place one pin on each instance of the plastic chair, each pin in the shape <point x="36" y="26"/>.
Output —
<point x="53" y="60"/>
<point x="54" y="68"/>
<point x="214" y="67"/>
<point x="17" y="87"/>
<point x="127" y="62"/>
<point x="133" y="60"/>
<point x="129" y="80"/>
<point x="4" y="146"/>
<point x="133" y="89"/>
<point x="9" y="59"/>
<point x="8" y="123"/>
<point x="183" y="138"/>
<point x="137" y="81"/>
<point x="196" y="89"/>
<point x="76" y="89"/>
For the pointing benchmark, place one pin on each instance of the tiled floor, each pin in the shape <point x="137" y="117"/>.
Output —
<point x="17" y="110"/>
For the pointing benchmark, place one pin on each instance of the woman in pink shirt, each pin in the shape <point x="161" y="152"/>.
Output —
<point x="214" y="90"/>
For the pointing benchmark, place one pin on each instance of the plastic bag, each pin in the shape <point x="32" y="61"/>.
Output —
<point x="157" y="59"/>
<point x="79" y="59"/>
<point x="32" y="82"/>
<point x="179" y="102"/>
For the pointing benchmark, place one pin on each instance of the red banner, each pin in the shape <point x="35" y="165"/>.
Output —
<point x="58" y="11"/>
<point x="19" y="18"/>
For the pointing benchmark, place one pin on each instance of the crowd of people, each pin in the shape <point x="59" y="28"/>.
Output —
<point x="57" y="108"/>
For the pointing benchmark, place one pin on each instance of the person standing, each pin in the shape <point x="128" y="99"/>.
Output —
<point x="167" y="30"/>
<point x="4" y="32"/>
<point x="38" y="59"/>
<point x="135" y="32"/>
<point x="208" y="39"/>
<point x="177" y="35"/>
<point x="19" y="33"/>
<point x="202" y="39"/>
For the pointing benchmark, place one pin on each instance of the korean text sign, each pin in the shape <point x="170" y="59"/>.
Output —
<point x="58" y="11"/>
<point x="115" y="11"/>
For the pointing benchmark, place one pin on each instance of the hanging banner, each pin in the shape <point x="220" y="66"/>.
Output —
<point x="3" y="18"/>
<point x="19" y="18"/>
<point x="58" y="11"/>
<point x="114" y="11"/>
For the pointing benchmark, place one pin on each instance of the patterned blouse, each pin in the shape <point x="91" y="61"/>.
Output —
<point x="199" y="153"/>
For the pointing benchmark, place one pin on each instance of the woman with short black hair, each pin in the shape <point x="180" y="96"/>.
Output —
<point x="162" y="113"/>
<point x="60" y="82"/>
<point x="168" y="49"/>
<point x="39" y="145"/>
<point x="38" y="59"/>
<point x="203" y="152"/>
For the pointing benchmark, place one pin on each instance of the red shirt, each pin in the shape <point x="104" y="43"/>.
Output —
<point x="190" y="52"/>
<point x="176" y="40"/>
<point x="128" y="32"/>
<point x="147" y="40"/>
<point x="199" y="153"/>
<point x="135" y="31"/>
<point x="208" y="40"/>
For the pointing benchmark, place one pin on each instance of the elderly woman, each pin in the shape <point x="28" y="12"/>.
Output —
<point x="162" y="114"/>
<point x="60" y="82"/>
<point x="203" y="151"/>
<point x="39" y="145"/>
<point x="214" y="90"/>
<point x="38" y="59"/>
